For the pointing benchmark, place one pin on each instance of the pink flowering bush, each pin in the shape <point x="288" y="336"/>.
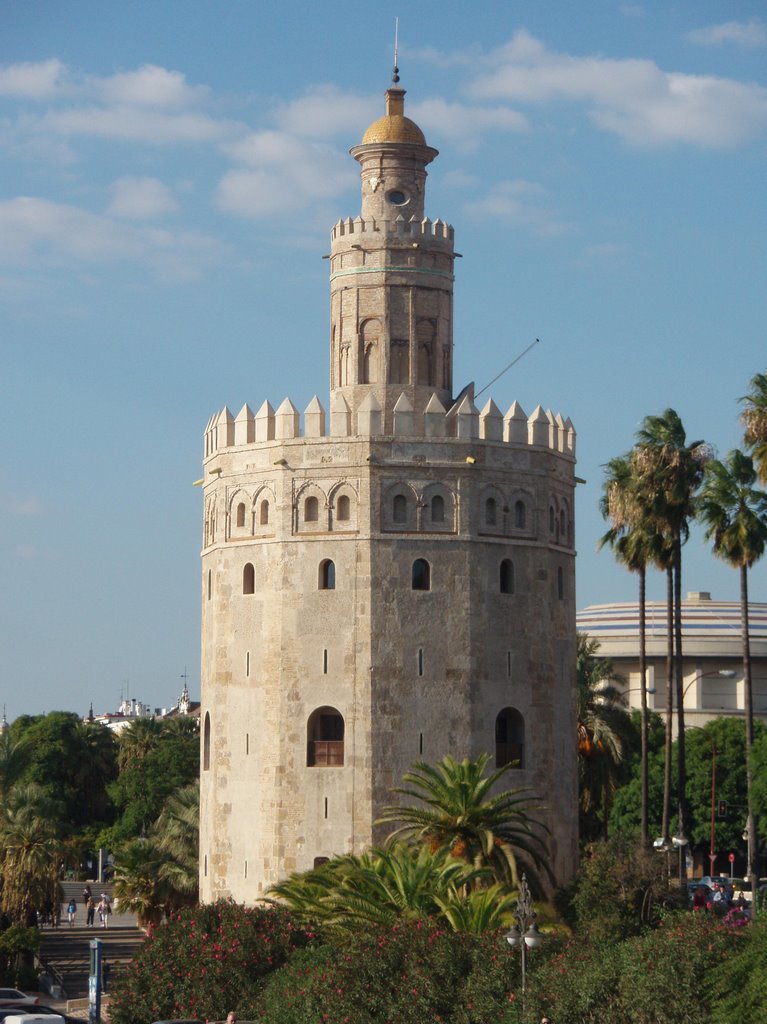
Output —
<point x="415" y="972"/>
<point x="206" y="961"/>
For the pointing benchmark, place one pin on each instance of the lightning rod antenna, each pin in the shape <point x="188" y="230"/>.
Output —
<point x="504" y="370"/>
<point x="395" y="69"/>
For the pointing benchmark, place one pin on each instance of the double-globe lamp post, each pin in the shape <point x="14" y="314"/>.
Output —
<point x="524" y="932"/>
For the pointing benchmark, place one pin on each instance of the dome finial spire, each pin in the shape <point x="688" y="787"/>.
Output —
<point x="395" y="69"/>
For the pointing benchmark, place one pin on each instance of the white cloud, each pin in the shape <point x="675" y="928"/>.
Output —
<point x="138" y="125"/>
<point x="35" y="230"/>
<point x="31" y="80"/>
<point x="634" y="99"/>
<point x="325" y="111"/>
<point x="751" y="34"/>
<point x="462" y="123"/>
<point x="141" y="198"/>
<point x="151" y="86"/>
<point x="521" y="204"/>
<point x="281" y="173"/>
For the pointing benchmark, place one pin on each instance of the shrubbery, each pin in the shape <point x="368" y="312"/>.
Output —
<point x="659" y="977"/>
<point x="205" y="962"/>
<point x="412" y="973"/>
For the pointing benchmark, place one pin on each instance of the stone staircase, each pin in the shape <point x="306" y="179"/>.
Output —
<point x="65" y="951"/>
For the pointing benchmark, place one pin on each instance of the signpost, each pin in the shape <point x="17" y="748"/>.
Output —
<point x="731" y="859"/>
<point x="94" y="983"/>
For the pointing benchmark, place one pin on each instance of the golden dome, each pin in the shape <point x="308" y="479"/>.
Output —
<point x="394" y="126"/>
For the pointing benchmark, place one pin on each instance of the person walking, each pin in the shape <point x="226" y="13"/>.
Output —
<point x="72" y="912"/>
<point x="90" y="910"/>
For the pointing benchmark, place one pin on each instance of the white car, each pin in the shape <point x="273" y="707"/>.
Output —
<point x="12" y="997"/>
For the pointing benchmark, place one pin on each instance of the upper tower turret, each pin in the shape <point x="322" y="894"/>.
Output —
<point x="391" y="278"/>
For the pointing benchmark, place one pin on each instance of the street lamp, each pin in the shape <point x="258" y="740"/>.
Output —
<point x="524" y="932"/>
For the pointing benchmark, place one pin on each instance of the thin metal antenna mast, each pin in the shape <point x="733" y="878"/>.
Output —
<point x="395" y="69"/>
<point x="513" y="361"/>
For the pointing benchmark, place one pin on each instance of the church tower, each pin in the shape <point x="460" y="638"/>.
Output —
<point x="390" y="583"/>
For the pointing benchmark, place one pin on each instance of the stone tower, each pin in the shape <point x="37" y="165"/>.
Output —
<point x="390" y="583"/>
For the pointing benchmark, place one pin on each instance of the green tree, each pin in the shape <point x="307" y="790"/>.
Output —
<point x="13" y="758"/>
<point x="452" y="805"/>
<point x="31" y="848"/>
<point x="605" y="733"/>
<point x="754" y="420"/>
<point x="671" y="471"/>
<point x="735" y="516"/>
<point x="157" y="758"/>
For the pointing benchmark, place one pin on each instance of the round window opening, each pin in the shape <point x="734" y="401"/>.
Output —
<point x="398" y="198"/>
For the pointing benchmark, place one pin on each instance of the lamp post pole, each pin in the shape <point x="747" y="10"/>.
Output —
<point x="524" y="932"/>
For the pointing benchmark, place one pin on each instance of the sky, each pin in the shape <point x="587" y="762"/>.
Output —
<point x="169" y="173"/>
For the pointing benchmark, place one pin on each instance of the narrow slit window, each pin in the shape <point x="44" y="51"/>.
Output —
<point x="438" y="509"/>
<point x="560" y="583"/>
<point x="420" y="743"/>
<point x="420" y="661"/>
<point x="326" y="808"/>
<point x="325" y="662"/>
<point x="206" y="743"/>
<point x="491" y="512"/>
<point x="520" y="515"/>
<point x="241" y="514"/>
<point x="263" y="513"/>
<point x="247" y="663"/>
<point x="343" y="509"/>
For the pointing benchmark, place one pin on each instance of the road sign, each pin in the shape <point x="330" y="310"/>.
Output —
<point x="731" y="858"/>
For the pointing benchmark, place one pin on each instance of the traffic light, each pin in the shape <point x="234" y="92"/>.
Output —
<point x="721" y="810"/>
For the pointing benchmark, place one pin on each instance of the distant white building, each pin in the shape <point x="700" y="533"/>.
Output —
<point x="712" y="653"/>
<point x="131" y="709"/>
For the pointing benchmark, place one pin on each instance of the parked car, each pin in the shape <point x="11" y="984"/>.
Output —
<point x="38" y="1011"/>
<point x="12" y="997"/>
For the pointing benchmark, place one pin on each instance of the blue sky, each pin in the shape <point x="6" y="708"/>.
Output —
<point x="169" y="173"/>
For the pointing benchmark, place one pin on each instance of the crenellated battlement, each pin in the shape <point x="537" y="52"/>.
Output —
<point x="438" y="230"/>
<point x="542" y="429"/>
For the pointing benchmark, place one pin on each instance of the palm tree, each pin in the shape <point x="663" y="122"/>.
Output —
<point x="136" y="881"/>
<point x="605" y="729"/>
<point x="754" y="420"/>
<point x="735" y="515"/>
<point x="671" y="471"/>
<point x="177" y="835"/>
<point x="384" y="885"/>
<point x="450" y="805"/>
<point x="633" y="544"/>
<point x="138" y="740"/>
<point x="31" y="845"/>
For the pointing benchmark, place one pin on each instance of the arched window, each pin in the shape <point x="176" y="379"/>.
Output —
<point x="248" y="579"/>
<point x="520" y="515"/>
<point x="552" y="520"/>
<point x="560" y="583"/>
<point x="325" y="739"/>
<point x="263" y="513"/>
<point x="506" y="576"/>
<point x="510" y="738"/>
<point x="311" y="510"/>
<point x="241" y="514"/>
<point x="206" y="743"/>
<point x="491" y="512"/>
<point x="421" y="579"/>
<point x="343" y="508"/>
<point x="399" y="508"/>
<point x="327" y="575"/>
<point x="438" y="509"/>
<point x="562" y="523"/>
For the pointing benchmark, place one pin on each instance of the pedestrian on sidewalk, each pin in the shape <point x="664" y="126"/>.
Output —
<point x="90" y="910"/>
<point x="72" y="912"/>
